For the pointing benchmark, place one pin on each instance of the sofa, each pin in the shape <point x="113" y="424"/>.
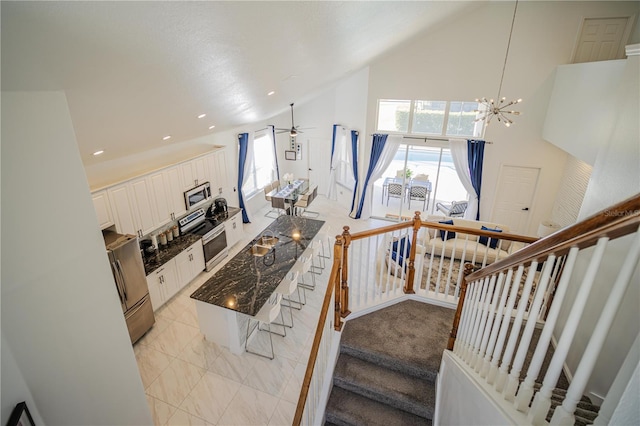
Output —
<point x="390" y="268"/>
<point x="495" y="249"/>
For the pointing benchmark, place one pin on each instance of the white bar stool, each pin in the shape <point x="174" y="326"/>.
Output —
<point x="266" y="315"/>
<point x="304" y="265"/>
<point x="287" y="287"/>
<point x="316" y="247"/>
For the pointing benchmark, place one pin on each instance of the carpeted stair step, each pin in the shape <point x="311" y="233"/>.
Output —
<point x="412" y="394"/>
<point x="408" y="337"/>
<point x="347" y="409"/>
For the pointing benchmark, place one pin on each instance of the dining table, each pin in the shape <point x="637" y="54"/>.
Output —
<point x="289" y="193"/>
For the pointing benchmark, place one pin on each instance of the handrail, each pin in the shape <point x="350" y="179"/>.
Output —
<point x="333" y="278"/>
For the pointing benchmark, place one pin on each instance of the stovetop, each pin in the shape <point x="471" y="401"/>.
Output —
<point x="205" y="227"/>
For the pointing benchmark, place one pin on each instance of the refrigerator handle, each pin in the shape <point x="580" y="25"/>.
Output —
<point x="116" y="275"/>
<point x="124" y="285"/>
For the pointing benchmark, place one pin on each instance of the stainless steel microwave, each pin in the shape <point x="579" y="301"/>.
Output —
<point x="197" y="196"/>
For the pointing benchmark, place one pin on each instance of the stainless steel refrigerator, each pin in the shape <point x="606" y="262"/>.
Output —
<point x="131" y="282"/>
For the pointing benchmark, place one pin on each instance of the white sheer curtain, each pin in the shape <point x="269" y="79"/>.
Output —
<point x="460" y="158"/>
<point x="390" y="149"/>
<point x="339" y="148"/>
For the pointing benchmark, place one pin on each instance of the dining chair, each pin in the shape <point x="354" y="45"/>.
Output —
<point x="394" y="190"/>
<point x="267" y="189"/>
<point x="280" y="204"/>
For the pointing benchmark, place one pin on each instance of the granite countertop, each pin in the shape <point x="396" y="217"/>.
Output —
<point x="168" y="252"/>
<point x="246" y="282"/>
<point x="175" y="247"/>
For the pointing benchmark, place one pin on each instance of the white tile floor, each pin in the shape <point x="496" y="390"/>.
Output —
<point x="190" y="381"/>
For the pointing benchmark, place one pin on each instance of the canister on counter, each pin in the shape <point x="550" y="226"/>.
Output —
<point x="169" y="235"/>
<point x="163" y="239"/>
<point x="176" y="231"/>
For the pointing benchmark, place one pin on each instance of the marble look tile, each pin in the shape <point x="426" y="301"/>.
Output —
<point x="249" y="407"/>
<point x="291" y="391"/>
<point x="182" y="418"/>
<point x="234" y="367"/>
<point x="270" y="375"/>
<point x="175" y="383"/>
<point x="161" y="412"/>
<point x="151" y="363"/>
<point x="210" y="397"/>
<point x="173" y="308"/>
<point x="174" y="338"/>
<point x="200" y="352"/>
<point x="159" y="326"/>
<point x="283" y="415"/>
<point x="189" y="316"/>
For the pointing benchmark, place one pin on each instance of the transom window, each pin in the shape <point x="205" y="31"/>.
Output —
<point x="439" y="118"/>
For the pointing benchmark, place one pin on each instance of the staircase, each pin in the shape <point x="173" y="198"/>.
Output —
<point x="388" y="364"/>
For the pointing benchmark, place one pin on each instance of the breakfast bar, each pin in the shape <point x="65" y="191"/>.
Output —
<point x="227" y="300"/>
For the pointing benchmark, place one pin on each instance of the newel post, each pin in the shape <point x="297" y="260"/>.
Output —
<point x="337" y="257"/>
<point x="468" y="269"/>
<point x="408" y="285"/>
<point x="344" y="291"/>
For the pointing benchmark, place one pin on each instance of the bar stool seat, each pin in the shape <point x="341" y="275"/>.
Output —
<point x="266" y="315"/>
<point x="287" y="287"/>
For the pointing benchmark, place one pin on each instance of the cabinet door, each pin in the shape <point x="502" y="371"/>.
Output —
<point x="221" y="172"/>
<point x="156" y="293"/>
<point x="143" y="210"/>
<point x="188" y="175"/>
<point x="159" y="199"/>
<point x="190" y="263"/>
<point x="233" y="227"/>
<point x="197" y="258"/>
<point x="103" y="209"/>
<point x="170" y="279"/>
<point x="175" y="191"/>
<point x="201" y="174"/>
<point x="122" y="209"/>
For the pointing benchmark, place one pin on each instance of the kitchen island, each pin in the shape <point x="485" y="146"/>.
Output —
<point x="227" y="300"/>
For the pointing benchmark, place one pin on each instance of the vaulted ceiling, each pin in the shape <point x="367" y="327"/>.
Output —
<point x="134" y="72"/>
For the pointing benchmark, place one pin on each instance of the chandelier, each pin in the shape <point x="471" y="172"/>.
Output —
<point x="499" y="108"/>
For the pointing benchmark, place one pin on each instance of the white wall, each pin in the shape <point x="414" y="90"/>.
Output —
<point x="570" y="195"/>
<point x="615" y="177"/>
<point x="61" y="316"/>
<point x="462" y="60"/>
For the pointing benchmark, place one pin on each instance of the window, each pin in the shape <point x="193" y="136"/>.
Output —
<point x="344" y="168"/>
<point x="262" y="170"/>
<point x="439" y="118"/>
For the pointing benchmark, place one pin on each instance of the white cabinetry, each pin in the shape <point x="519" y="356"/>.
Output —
<point x="145" y="216"/>
<point x="194" y="173"/>
<point x="175" y="191"/>
<point x="160" y="198"/>
<point x="163" y="284"/>
<point x="103" y="209"/>
<point x="217" y="168"/>
<point x="122" y="209"/>
<point x="233" y="229"/>
<point x="190" y="263"/>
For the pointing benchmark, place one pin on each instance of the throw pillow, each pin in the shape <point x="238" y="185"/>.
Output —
<point x="398" y="251"/>
<point x="449" y="234"/>
<point x="485" y="240"/>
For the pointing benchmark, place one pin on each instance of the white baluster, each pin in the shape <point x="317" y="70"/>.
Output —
<point x="493" y="369"/>
<point x="471" y="320"/>
<point x="460" y="343"/>
<point x="489" y="323"/>
<point x="525" y="340"/>
<point x="564" y="414"/>
<point x="515" y="328"/>
<point x="482" y="332"/>
<point x="542" y="399"/>
<point x="525" y="393"/>
<point x="476" y="320"/>
<point x="496" y="325"/>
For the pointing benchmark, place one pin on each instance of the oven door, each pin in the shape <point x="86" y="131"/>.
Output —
<point x="197" y="196"/>
<point x="215" y="247"/>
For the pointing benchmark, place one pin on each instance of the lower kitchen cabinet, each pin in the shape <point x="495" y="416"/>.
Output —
<point x="190" y="263"/>
<point x="233" y="229"/>
<point x="163" y="284"/>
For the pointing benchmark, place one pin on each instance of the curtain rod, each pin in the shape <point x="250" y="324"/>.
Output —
<point x="426" y="138"/>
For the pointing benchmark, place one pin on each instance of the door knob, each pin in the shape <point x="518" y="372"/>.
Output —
<point x="526" y="209"/>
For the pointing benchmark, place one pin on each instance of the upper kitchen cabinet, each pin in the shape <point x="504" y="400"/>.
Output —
<point x="103" y="209"/>
<point x="175" y="191"/>
<point x="217" y="167"/>
<point x="122" y="209"/>
<point x="194" y="173"/>
<point x="160" y="201"/>
<point x="145" y="213"/>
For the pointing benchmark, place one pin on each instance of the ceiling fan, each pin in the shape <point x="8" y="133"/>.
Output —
<point x="294" y="130"/>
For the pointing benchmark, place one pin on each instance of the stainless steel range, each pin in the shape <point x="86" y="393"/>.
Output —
<point x="214" y="237"/>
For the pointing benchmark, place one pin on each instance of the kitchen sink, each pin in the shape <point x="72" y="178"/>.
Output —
<point x="259" y="250"/>
<point x="267" y="241"/>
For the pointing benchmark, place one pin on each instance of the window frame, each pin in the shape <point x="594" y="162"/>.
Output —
<point x="253" y="170"/>
<point x="480" y="126"/>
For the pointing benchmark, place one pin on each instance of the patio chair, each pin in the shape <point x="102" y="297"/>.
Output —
<point x="394" y="190"/>
<point x="455" y="209"/>
<point x="418" y="192"/>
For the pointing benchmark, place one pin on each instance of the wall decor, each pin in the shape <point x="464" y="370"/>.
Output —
<point x="20" y="416"/>
<point x="289" y="155"/>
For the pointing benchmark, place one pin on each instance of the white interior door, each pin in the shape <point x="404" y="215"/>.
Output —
<point x="601" y="39"/>
<point x="514" y="197"/>
<point x="318" y="153"/>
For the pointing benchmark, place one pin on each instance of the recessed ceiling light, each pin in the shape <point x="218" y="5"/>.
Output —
<point x="98" y="152"/>
<point x="202" y="115"/>
<point x="211" y="127"/>
<point x="270" y="93"/>
<point x="166" y="138"/>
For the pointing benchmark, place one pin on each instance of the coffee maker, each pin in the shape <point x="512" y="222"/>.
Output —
<point x="220" y="205"/>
